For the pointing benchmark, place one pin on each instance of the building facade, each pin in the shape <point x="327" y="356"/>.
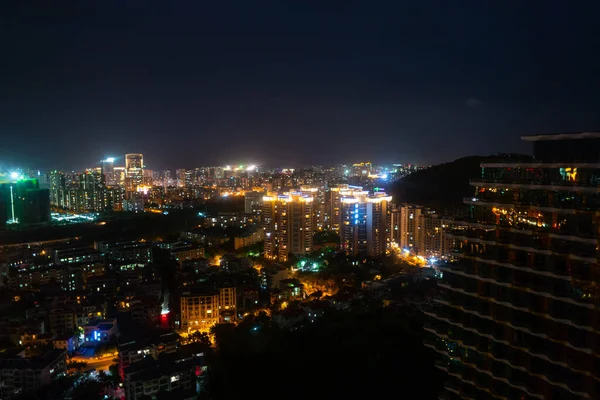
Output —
<point x="519" y="314"/>
<point x="365" y="223"/>
<point x="202" y="307"/>
<point x="134" y="171"/>
<point x="288" y="225"/>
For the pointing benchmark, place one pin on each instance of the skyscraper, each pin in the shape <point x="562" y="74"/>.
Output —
<point x="180" y="176"/>
<point x="166" y="178"/>
<point x="519" y="314"/>
<point x="119" y="175"/>
<point x="134" y="171"/>
<point x="411" y="233"/>
<point x="108" y="169"/>
<point x="288" y="225"/>
<point x="378" y="224"/>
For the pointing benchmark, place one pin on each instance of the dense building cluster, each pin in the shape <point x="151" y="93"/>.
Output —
<point x="510" y="288"/>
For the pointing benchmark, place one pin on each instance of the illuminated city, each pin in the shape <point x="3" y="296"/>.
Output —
<point x="299" y="200"/>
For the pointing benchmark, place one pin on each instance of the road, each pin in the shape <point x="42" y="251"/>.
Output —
<point x="92" y="362"/>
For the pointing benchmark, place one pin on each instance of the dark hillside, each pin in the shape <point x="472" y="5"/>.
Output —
<point x="443" y="187"/>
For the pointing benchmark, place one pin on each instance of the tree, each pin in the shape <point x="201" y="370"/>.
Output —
<point x="200" y="337"/>
<point x="89" y="389"/>
<point x="77" y="366"/>
<point x="104" y="349"/>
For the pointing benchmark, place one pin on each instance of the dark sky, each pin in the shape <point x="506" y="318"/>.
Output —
<point x="291" y="82"/>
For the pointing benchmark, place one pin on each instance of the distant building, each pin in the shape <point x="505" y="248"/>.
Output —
<point x="248" y="238"/>
<point x="180" y="174"/>
<point x="420" y="230"/>
<point x="134" y="171"/>
<point x="365" y="223"/>
<point x="336" y="194"/>
<point x="288" y="225"/>
<point x="23" y="203"/>
<point x="108" y="170"/>
<point x="253" y="202"/>
<point x="84" y="192"/>
<point x="134" y="204"/>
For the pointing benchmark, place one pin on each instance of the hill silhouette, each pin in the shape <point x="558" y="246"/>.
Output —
<point x="443" y="187"/>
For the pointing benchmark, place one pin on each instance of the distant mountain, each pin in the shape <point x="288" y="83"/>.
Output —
<point x="443" y="187"/>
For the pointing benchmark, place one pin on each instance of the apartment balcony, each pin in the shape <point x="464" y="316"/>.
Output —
<point x="584" y="187"/>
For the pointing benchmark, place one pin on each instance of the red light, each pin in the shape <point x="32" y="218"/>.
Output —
<point x="163" y="317"/>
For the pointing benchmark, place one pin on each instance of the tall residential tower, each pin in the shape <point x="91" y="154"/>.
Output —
<point x="519" y="315"/>
<point x="288" y="225"/>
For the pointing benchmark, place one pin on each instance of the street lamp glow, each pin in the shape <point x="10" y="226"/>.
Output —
<point x="14" y="175"/>
<point x="110" y="159"/>
<point x="251" y="168"/>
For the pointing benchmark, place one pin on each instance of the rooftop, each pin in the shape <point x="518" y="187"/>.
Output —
<point x="38" y="362"/>
<point x="150" y="338"/>
<point x="561" y="136"/>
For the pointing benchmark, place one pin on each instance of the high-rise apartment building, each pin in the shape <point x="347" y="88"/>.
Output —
<point x="148" y="178"/>
<point x="134" y="171"/>
<point x="420" y="230"/>
<point x="378" y="224"/>
<point x="319" y="205"/>
<point x="119" y="174"/>
<point x="365" y="223"/>
<point x="353" y="229"/>
<point x="167" y="181"/>
<point x="85" y="192"/>
<point x="336" y="194"/>
<point x="107" y="167"/>
<point x="436" y="241"/>
<point x="288" y="225"/>
<point x="411" y="233"/>
<point x="180" y="176"/>
<point x="253" y="202"/>
<point x="519" y="313"/>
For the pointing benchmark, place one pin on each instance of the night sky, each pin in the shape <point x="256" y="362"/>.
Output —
<point x="288" y="83"/>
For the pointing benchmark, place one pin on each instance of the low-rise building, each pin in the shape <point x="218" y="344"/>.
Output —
<point x="26" y="375"/>
<point x="169" y="373"/>
<point x="272" y="275"/>
<point x="63" y="321"/>
<point x="186" y="251"/>
<point x="70" y="343"/>
<point x="290" y="289"/>
<point x="152" y="345"/>
<point x="203" y="307"/>
<point x="100" y="331"/>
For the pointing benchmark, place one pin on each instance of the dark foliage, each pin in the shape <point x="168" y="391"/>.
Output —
<point x="350" y="355"/>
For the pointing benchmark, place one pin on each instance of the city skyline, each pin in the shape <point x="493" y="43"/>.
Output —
<point x="291" y="83"/>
